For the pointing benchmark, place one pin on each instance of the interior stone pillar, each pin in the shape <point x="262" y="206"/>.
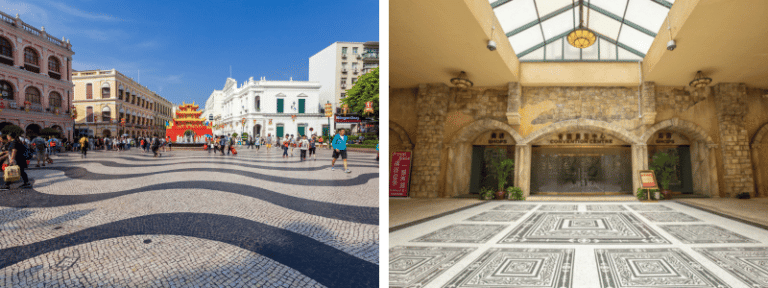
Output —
<point x="648" y="97"/>
<point x="459" y="170"/>
<point x="432" y="104"/>
<point x="523" y="168"/>
<point x="714" y="188"/>
<point x="639" y="162"/>
<point x="759" y="181"/>
<point x="514" y="93"/>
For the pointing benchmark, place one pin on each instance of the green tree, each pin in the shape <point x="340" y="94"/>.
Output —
<point x="12" y="129"/>
<point x="366" y="89"/>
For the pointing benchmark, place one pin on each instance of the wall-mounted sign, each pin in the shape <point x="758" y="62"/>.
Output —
<point x="347" y="119"/>
<point x="494" y="138"/>
<point x="648" y="180"/>
<point x="668" y="138"/>
<point x="400" y="174"/>
<point x="588" y="138"/>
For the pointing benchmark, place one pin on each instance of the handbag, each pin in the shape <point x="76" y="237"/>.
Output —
<point x="12" y="174"/>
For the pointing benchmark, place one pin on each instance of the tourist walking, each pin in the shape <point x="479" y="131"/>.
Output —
<point x="155" y="145"/>
<point x="84" y="146"/>
<point x="285" y="144"/>
<point x="293" y="144"/>
<point x="339" y="144"/>
<point x="269" y="142"/>
<point x="230" y="142"/>
<point x="222" y="144"/>
<point x="303" y="146"/>
<point x="16" y="151"/>
<point x="312" y="144"/>
<point x="39" y="144"/>
<point x="257" y="142"/>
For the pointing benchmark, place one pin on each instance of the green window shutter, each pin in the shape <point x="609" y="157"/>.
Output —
<point x="301" y="130"/>
<point x="280" y="105"/>
<point x="280" y="131"/>
<point x="301" y="105"/>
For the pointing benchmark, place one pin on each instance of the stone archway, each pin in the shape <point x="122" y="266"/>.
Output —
<point x="402" y="141"/>
<point x="703" y="160"/>
<point x="759" y="153"/>
<point x="459" y="164"/>
<point x="33" y="129"/>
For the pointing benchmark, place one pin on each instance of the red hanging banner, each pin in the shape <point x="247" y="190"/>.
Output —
<point x="400" y="174"/>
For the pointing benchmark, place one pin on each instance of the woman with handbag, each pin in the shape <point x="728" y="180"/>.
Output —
<point x="16" y="157"/>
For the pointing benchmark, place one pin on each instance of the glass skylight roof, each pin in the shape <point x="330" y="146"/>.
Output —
<point x="537" y="29"/>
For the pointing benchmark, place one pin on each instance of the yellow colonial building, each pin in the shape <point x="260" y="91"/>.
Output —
<point x="109" y="103"/>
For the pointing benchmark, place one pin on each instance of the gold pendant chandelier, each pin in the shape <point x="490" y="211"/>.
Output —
<point x="581" y="37"/>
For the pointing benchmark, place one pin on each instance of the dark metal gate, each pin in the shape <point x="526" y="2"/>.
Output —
<point x="577" y="169"/>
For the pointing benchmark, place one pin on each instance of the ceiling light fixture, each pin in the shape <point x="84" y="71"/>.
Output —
<point x="700" y="81"/>
<point x="461" y="81"/>
<point x="581" y="37"/>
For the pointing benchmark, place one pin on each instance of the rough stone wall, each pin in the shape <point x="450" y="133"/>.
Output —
<point x="481" y="103"/>
<point x="609" y="104"/>
<point x="432" y="106"/>
<point x="734" y="140"/>
<point x="680" y="99"/>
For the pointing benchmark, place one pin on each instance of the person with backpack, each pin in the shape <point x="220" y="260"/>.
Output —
<point x="339" y="143"/>
<point x="17" y="155"/>
<point x="230" y="143"/>
<point x="155" y="145"/>
<point x="84" y="146"/>
<point x="40" y="144"/>
<point x="312" y="144"/>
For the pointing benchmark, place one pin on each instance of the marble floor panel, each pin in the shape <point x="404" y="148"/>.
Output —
<point x="593" y="244"/>
<point x="192" y="219"/>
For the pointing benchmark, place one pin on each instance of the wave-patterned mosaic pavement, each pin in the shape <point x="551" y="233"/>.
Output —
<point x="192" y="219"/>
<point x="588" y="244"/>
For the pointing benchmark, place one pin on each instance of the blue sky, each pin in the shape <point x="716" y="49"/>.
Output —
<point x="183" y="49"/>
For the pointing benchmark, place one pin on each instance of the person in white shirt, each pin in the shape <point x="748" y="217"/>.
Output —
<point x="304" y="146"/>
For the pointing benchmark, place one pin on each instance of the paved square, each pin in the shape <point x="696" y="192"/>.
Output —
<point x="748" y="264"/>
<point x="515" y="207"/>
<point x="705" y="234"/>
<point x="583" y="228"/>
<point x="192" y="219"/>
<point x="649" y="207"/>
<point x="496" y="216"/>
<point x="558" y="208"/>
<point x="606" y="208"/>
<point x="624" y="268"/>
<point x="416" y="266"/>
<point x="668" y="217"/>
<point x="523" y="268"/>
<point x="462" y="233"/>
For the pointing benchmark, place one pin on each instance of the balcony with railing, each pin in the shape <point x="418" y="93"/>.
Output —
<point x="371" y="56"/>
<point x="16" y="22"/>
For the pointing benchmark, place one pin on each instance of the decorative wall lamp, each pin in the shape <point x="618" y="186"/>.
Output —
<point x="581" y="37"/>
<point x="462" y="81"/>
<point x="700" y="81"/>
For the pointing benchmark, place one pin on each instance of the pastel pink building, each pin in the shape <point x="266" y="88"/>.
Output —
<point x="35" y="78"/>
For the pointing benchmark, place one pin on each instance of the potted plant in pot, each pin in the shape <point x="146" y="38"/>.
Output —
<point x="486" y="194"/>
<point x="514" y="193"/>
<point x="663" y="164"/>
<point x="503" y="169"/>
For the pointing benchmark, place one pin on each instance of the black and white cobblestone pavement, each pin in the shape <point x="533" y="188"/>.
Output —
<point x="192" y="219"/>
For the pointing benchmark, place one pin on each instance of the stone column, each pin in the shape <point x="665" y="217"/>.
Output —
<point x="432" y="105"/>
<point x="730" y="100"/>
<point x="759" y="181"/>
<point x="639" y="162"/>
<point x="514" y="93"/>
<point x="523" y="168"/>
<point x="714" y="187"/>
<point x="648" y="99"/>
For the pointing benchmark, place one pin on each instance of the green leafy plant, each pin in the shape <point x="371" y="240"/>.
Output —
<point x="502" y="169"/>
<point x="366" y="89"/>
<point x="244" y="135"/>
<point x="514" y="193"/>
<point x="486" y="194"/>
<point x="642" y="196"/>
<point x="12" y="129"/>
<point x="664" y="165"/>
<point x="234" y="135"/>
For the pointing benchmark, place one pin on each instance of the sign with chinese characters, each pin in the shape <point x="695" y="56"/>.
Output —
<point x="648" y="180"/>
<point x="580" y="138"/>
<point x="494" y="138"/>
<point x="400" y="174"/>
<point x="328" y="110"/>
<point x="347" y="119"/>
<point x="668" y="138"/>
<point x="368" y="107"/>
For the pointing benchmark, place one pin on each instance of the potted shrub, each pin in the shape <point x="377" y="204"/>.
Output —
<point x="514" y="193"/>
<point x="664" y="165"/>
<point x="655" y="195"/>
<point x="486" y="194"/>
<point x="503" y="168"/>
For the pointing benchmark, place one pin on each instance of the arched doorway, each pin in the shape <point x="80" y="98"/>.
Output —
<point x="106" y="133"/>
<point x="759" y="153"/>
<point x="701" y="152"/>
<point x="257" y="130"/>
<point x="462" y="152"/>
<point x="33" y="129"/>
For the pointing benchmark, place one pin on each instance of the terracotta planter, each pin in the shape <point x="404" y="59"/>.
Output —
<point x="499" y="195"/>
<point x="667" y="194"/>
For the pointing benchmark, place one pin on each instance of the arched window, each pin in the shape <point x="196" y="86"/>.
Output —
<point x="6" y="89"/>
<point x="54" y="100"/>
<point x="89" y="114"/>
<point x="31" y="60"/>
<point x="105" y="91"/>
<point x="258" y="104"/>
<point x="6" y="52"/>
<point x="54" y="68"/>
<point x="106" y="114"/>
<point x="32" y="95"/>
<point x="89" y="91"/>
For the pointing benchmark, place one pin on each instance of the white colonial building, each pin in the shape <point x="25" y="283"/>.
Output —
<point x="268" y="107"/>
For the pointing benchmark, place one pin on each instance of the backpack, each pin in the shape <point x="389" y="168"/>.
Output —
<point x="27" y="152"/>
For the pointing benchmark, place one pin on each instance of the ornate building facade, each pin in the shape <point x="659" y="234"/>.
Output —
<point x="266" y="108"/>
<point x="35" y="82"/>
<point x="109" y="103"/>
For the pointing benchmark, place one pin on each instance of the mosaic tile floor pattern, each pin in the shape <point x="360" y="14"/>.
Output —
<point x="626" y="244"/>
<point x="192" y="219"/>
